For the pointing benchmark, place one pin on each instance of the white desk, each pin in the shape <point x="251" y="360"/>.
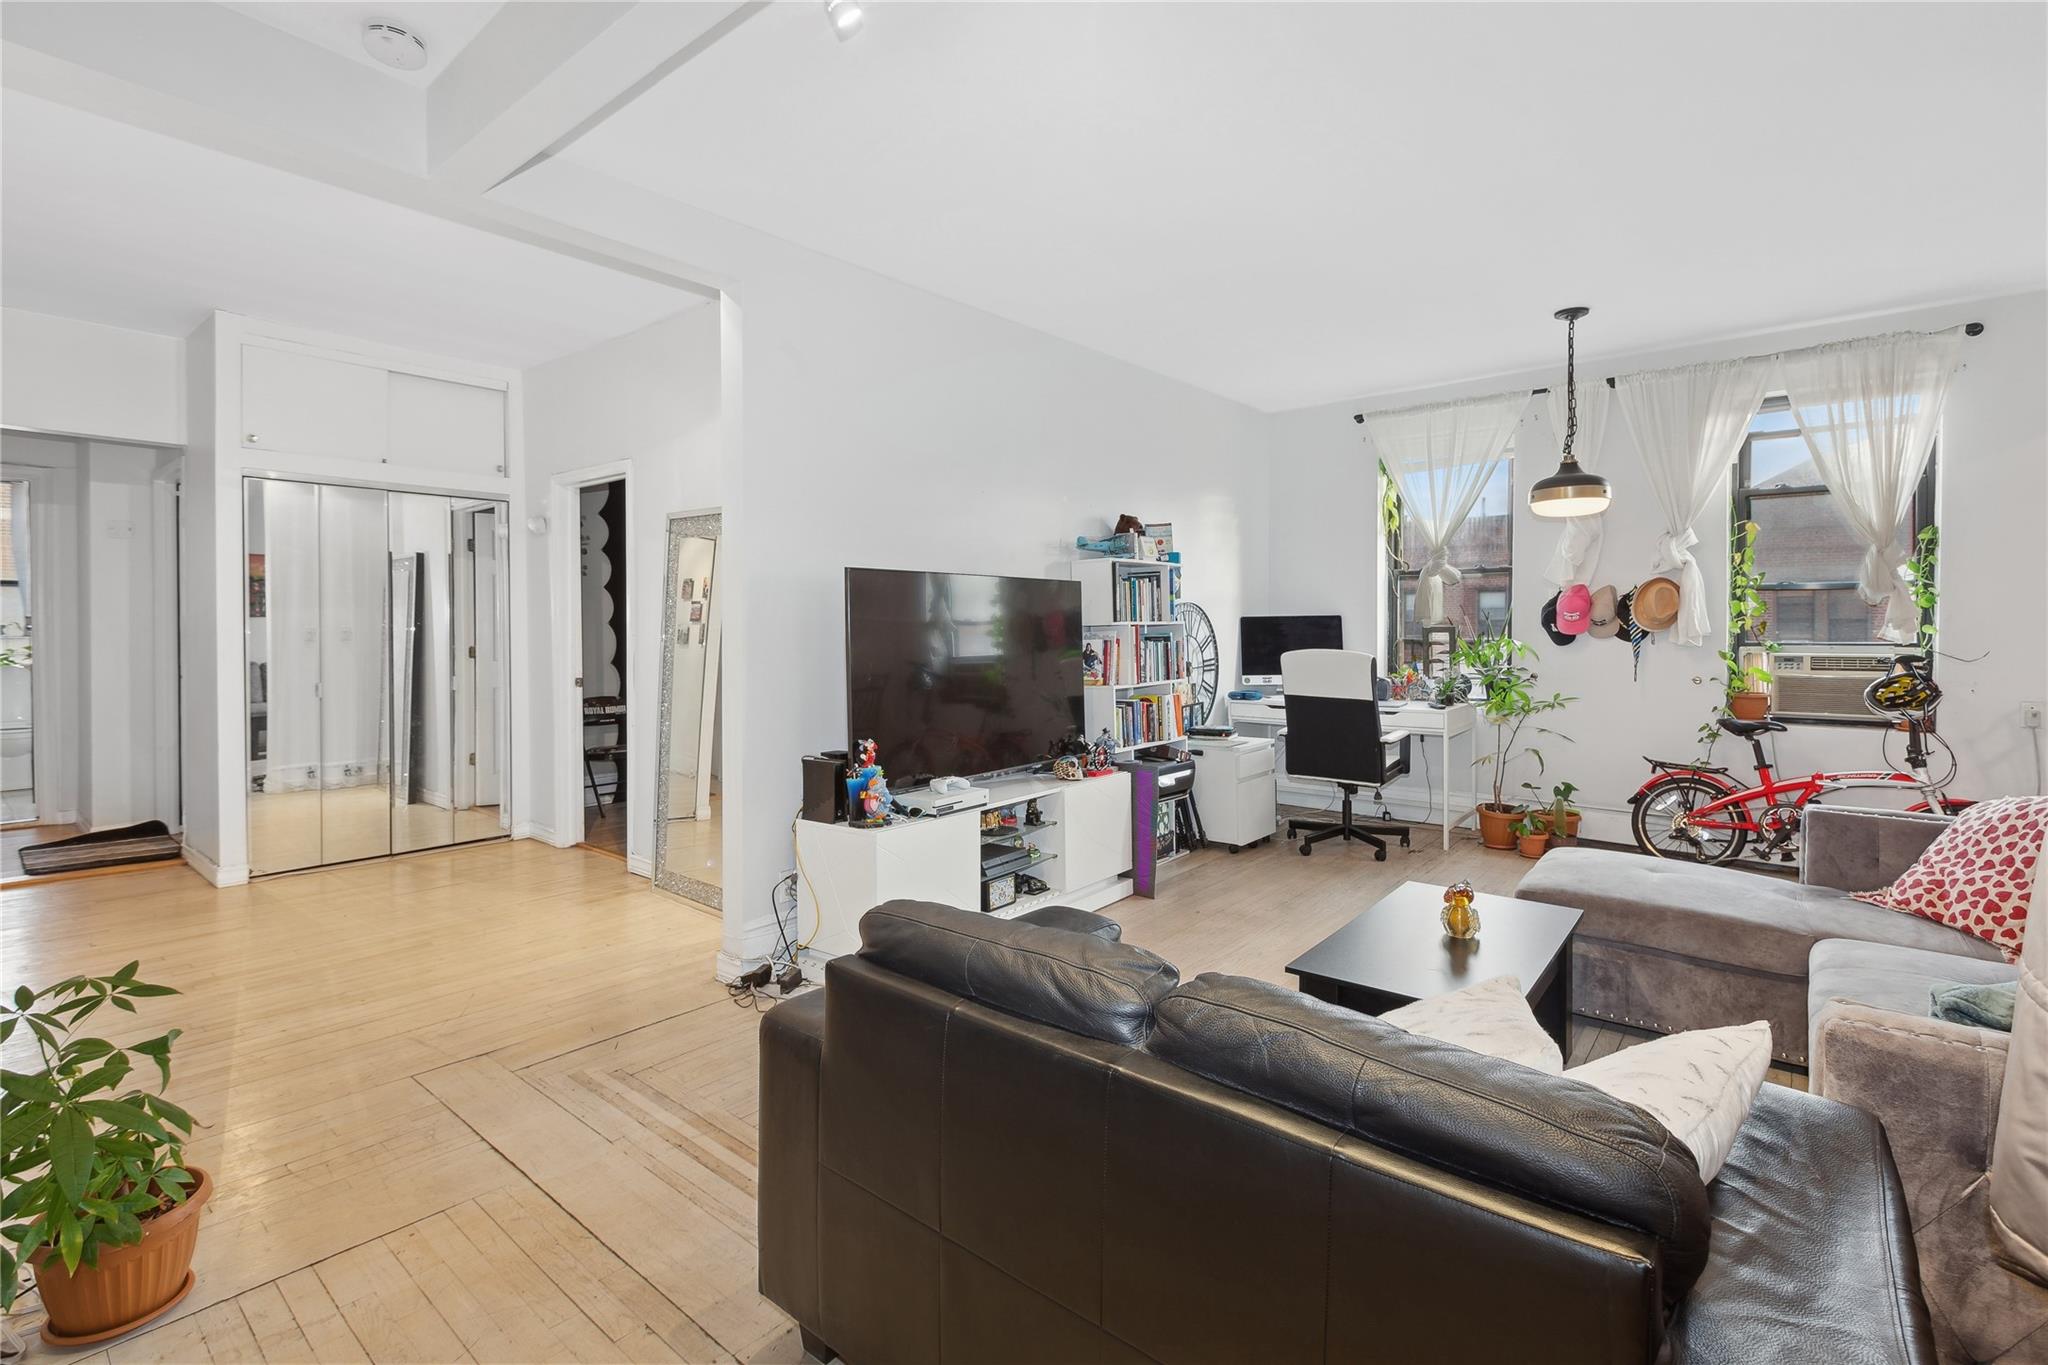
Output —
<point x="1458" y="802"/>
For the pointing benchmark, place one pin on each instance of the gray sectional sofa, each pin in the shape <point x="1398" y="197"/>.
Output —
<point x="1669" y="946"/>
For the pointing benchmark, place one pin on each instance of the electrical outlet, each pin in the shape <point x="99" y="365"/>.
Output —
<point x="2030" y="714"/>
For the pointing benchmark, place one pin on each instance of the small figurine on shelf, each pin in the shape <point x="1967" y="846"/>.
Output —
<point x="1102" y="755"/>
<point x="1460" y="920"/>
<point x="867" y="789"/>
<point x="1032" y="815"/>
<point x="991" y="819"/>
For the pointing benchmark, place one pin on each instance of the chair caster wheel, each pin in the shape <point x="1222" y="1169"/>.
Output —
<point x="1307" y="849"/>
<point x="1290" y="836"/>
<point x="1379" y="855"/>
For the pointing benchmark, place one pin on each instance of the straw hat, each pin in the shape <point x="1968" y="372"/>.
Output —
<point x="1602" y="622"/>
<point x="1656" y="604"/>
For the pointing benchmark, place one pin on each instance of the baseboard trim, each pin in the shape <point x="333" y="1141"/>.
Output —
<point x="640" y="865"/>
<point x="214" y="872"/>
<point x="533" y="829"/>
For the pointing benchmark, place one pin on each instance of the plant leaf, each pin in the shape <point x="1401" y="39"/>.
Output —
<point x="31" y="1086"/>
<point x="71" y="1149"/>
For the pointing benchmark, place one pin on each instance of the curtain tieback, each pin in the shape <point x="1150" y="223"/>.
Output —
<point x="1438" y="566"/>
<point x="1674" y="548"/>
<point x="1883" y="573"/>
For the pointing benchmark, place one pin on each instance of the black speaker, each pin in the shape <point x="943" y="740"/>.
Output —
<point x="825" y="787"/>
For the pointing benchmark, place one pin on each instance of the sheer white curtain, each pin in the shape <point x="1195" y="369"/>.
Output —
<point x="1688" y="424"/>
<point x="1441" y="457"/>
<point x="1868" y="409"/>
<point x="1578" y="545"/>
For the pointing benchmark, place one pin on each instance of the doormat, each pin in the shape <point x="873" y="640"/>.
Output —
<point x="149" y="842"/>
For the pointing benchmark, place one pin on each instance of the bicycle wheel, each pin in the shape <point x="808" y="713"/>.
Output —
<point x="1663" y="828"/>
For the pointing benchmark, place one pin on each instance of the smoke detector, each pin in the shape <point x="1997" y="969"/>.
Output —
<point x="394" y="46"/>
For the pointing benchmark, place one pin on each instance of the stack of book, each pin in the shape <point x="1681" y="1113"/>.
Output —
<point x="1150" y="595"/>
<point x="1150" y="719"/>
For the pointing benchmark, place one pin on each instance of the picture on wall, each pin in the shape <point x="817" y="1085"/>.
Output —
<point x="687" y="591"/>
<point x="696" y="611"/>
<point x="683" y="636"/>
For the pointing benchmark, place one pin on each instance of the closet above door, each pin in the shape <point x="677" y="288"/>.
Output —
<point x="297" y="402"/>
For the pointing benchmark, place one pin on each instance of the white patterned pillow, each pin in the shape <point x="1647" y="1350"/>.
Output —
<point x="1491" y="1017"/>
<point x="1699" y="1085"/>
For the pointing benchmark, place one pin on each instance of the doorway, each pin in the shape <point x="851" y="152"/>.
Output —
<point x="597" y="712"/>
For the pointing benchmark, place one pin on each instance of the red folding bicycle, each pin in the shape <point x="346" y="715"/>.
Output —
<point x="1700" y="811"/>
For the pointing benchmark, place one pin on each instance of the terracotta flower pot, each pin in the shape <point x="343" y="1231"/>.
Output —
<point x="1534" y="845"/>
<point x="1750" y="705"/>
<point x="131" y="1284"/>
<point x="1571" y="824"/>
<point x="1497" y="825"/>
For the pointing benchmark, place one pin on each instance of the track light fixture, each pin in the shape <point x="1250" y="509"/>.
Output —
<point x="1571" y="491"/>
<point x="847" y="16"/>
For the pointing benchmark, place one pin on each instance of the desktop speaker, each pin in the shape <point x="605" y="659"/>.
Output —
<point x="825" y="787"/>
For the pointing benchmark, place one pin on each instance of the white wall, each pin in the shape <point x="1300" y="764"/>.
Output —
<point x="651" y="399"/>
<point x="1993" y="502"/>
<point x="83" y="379"/>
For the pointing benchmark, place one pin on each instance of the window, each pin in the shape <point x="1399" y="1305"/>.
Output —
<point x="1482" y="550"/>
<point x="1806" y="552"/>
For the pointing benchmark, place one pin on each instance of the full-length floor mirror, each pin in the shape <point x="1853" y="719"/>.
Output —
<point x="374" y="638"/>
<point x="687" y="827"/>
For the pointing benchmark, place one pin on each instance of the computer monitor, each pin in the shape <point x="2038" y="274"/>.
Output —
<point x="1261" y="640"/>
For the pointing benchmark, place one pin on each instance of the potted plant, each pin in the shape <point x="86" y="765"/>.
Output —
<point x="1748" y="694"/>
<point x="1559" y="816"/>
<point x="1532" y="834"/>
<point x="99" y="1200"/>
<point x="1509" y="701"/>
<point x="1920" y="580"/>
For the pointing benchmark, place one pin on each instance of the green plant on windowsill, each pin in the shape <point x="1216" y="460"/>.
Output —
<point x="1920" y="581"/>
<point x="90" y="1163"/>
<point x="1745" y="690"/>
<point x="1509" y="701"/>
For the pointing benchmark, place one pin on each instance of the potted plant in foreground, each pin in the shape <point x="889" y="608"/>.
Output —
<point x="1532" y="834"/>
<point x="99" y="1201"/>
<point x="1749" y="682"/>
<point x="1558" y="815"/>
<point x="1509" y="702"/>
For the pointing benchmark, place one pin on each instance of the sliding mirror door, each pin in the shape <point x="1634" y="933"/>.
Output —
<point x="376" y="651"/>
<point x="687" y="824"/>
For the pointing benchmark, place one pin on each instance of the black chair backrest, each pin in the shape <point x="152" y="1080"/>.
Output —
<point x="1333" y="717"/>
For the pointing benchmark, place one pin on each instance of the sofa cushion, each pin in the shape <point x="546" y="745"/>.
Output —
<point x="1718" y="914"/>
<point x="1492" y="1017"/>
<point x="1080" y="982"/>
<point x="1073" y="920"/>
<point x="1503" y="1124"/>
<point x="2019" y="1152"/>
<point x="1699" y="1084"/>
<point x="1813" y="1256"/>
<point x="1887" y="977"/>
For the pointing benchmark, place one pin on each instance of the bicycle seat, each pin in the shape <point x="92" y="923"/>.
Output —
<point x="1749" y="728"/>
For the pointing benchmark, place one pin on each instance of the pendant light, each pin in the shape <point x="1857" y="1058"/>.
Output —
<point x="1571" y="491"/>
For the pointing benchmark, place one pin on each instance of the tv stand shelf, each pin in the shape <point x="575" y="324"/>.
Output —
<point x="845" y="872"/>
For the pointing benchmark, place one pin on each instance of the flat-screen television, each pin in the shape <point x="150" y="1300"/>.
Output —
<point x="956" y="675"/>
<point x="1261" y="640"/>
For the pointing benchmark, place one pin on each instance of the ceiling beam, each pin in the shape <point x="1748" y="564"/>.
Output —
<point x="37" y="73"/>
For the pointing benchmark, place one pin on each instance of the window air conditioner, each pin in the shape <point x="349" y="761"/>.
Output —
<point x="1824" y="684"/>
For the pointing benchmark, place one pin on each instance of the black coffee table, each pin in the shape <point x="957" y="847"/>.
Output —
<point x="1397" y="953"/>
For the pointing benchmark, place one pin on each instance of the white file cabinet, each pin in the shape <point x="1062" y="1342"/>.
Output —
<point x="1234" y="790"/>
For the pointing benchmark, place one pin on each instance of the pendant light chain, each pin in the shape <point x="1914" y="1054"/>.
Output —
<point x="1571" y="386"/>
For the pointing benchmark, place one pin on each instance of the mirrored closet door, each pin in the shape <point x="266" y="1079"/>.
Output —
<point x="688" y="829"/>
<point x="374" y="637"/>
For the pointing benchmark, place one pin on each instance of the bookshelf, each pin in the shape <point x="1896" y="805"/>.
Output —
<point x="1142" y="697"/>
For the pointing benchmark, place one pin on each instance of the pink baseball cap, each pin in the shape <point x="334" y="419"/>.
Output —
<point x="1575" y="609"/>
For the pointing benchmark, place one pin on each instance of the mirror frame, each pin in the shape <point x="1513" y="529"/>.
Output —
<point x="707" y="525"/>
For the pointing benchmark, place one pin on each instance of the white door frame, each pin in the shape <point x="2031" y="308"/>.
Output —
<point x="167" y="672"/>
<point x="53" y="494"/>
<point x="565" y="589"/>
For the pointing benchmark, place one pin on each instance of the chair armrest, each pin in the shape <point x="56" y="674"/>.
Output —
<point x="1860" y="850"/>
<point x="792" y="1056"/>
<point x="1934" y="1086"/>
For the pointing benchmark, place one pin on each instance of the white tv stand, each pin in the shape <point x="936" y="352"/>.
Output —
<point x="845" y="872"/>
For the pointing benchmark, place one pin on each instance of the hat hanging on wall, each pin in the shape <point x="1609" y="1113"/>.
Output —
<point x="1572" y="491"/>
<point x="1574" y="607"/>
<point x="1625" y="618"/>
<point x="1558" y="635"/>
<point x="1602" y="623"/>
<point x="1656" y="604"/>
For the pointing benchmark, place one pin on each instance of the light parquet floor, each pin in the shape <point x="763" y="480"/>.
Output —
<point x="489" y="1105"/>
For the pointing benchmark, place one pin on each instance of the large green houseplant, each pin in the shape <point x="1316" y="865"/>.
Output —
<point x="98" y="1198"/>
<point x="1509" y="701"/>
<point x="1745" y="690"/>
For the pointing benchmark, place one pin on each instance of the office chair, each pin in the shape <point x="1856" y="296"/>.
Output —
<point x="1333" y="735"/>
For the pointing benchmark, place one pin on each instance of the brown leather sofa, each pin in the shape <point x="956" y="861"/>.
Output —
<point x="987" y="1141"/>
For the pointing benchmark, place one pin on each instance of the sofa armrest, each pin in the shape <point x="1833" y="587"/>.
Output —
<point x="792" y="1055"/>
<point x="1934" y="1086"/>
<point x="1851" y="849"/>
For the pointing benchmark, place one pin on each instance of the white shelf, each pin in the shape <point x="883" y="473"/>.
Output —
<point x="1139" y="686"/>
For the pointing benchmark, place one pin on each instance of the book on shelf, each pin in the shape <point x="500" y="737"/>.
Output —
<point x="1148" y="594"/>
<point x="1151" y="719"/>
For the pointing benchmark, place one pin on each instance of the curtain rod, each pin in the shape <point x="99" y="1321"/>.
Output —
<point x="1970" y="329"/>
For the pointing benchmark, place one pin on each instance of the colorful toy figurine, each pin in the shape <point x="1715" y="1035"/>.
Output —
<point x="867" y="789"/>
<point x="1460" y="920"/>
<point x="1102" y="755"/>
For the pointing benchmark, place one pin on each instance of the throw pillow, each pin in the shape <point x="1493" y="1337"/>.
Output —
<point x="1492" y="1017"/>
<point x="1978" y="874"/>
<point x="1978" y="1006"/>
<point x="1699" y="1085"/>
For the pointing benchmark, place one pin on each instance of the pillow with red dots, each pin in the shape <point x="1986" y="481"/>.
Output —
<point x="1978" y="874"/>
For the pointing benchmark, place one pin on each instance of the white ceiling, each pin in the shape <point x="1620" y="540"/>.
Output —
<point x="1294" y="203"/>
<point x="113" y="224"/>
<point x="445" y="26"/>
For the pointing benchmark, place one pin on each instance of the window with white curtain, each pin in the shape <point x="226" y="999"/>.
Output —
<point x="1805" y="549"/>
<point x="1482" y="551"/>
